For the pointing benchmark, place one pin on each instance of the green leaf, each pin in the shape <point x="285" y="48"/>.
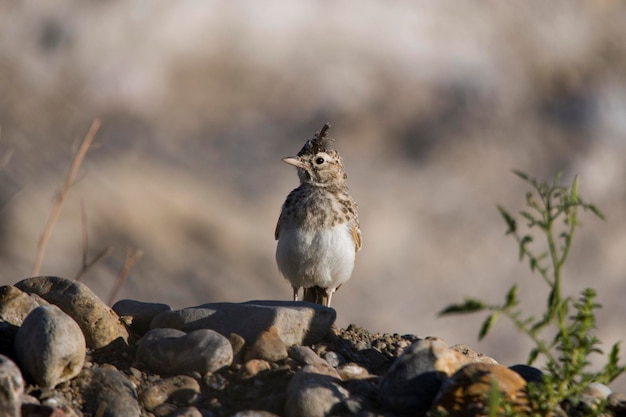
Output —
<point x="487" y="324"/>
<point x="532" y="356"/>
<point x="521" y="175"/>
<point x="595" y="211"/>
<point x="470" y="305"/>
<point x="510" y="221"/>
<point x="511" y="297"/>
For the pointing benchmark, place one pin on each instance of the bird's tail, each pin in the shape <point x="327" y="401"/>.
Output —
<point x="315" y="295"/>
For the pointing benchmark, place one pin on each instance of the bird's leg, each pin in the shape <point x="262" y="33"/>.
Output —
<point x="329" y="295"/>
<point x="295" y="293"/>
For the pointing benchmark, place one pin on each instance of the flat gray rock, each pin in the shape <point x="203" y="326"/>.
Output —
<point x="99" y="323"/>
<point x="50" y="347"/>
<point x="316" y="391"/>
<point x="139" y="314"/>
<point x="298" y="323"/>
<point x="11" y="388"/>
<point x="171" y="351"/>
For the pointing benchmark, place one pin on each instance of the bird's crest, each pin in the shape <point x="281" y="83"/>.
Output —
<point x="320" y="143"/>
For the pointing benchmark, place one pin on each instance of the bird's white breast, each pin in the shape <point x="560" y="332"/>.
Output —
<point x="323" y="257"/>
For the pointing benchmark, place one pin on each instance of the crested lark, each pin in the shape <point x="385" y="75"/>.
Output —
<point x="318" y="229"/>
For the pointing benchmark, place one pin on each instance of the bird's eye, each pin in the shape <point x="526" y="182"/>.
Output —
<point x="319" y="160"/>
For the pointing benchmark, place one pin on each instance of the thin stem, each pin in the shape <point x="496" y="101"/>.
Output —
<point x="62" y="194"/>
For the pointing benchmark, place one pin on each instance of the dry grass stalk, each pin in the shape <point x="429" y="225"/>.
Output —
<point x="62" y="194"/>
<point x="132" y="256"/>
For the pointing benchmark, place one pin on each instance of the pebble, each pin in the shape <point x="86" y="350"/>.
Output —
<point x="529" y="373"/>
<point x="352" y="371"/>
<point x="254" y="413"/>
<point x="305" y="355"/>
<point x="617" y="403"/>
<point x="11" y="388"/>
<point x="297" y="323"/>
<point x="186" y="412"/>
<point x="471" y="356"/>
<point x="413" y="380"/>
<point x="171" y="351"/>
<point x="315" y="391"/>
<point x="50" y="347"/>
<point x="180" y="390"/>
<point x="15" y="304"/>
<point x="137" y="314"/>
<point x="268" y="346"/>
<point x="80" y="303"/>
<point x="237" y="343"/>
<point x="465" y="393"/>
<point x="253" y="367"/>
<point x="108" y="393"/>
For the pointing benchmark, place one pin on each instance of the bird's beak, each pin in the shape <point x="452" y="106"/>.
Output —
<point x="293" y="161"/>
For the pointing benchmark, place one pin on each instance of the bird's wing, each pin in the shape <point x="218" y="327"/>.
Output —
<point x="355" y="230"/>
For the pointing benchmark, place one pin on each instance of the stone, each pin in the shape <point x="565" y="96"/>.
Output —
<point x="108" y="393"/>
<point x="238" y="343"/>
<point x="413" y="380"/>
<point x="180" y="390"/>
<point x="297" y="323"/>
<point x="268" y="346"/>
<point x="171" y="351"/>
<point x="11" y="388"/>
<point x="529" y="373"/>
<point x="253" y="367"/>
<point x="305" y="355"/>
<point x="50" y="347"/>
<point x="352" y="371"/>
<point x="99" y="323"/>
<point x="465" y="393"/>
<point x="138" y="315"/>
<point x="472" y="356"/>
<point x="616" y="402"/>
<point x="186" y="412"/>
<point x="15" y="304"/>
<point x="316" y="391"/>
<point x="254" y="413"/>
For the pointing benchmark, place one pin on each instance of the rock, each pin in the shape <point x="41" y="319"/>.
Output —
<point x="186" y="412"/>
<point x="11" y="388"/>
<point x="34" y="410"/>
<point x="334" y="359"/>
<point x="138" y="315"/>
<point x="591" y="397"/>
<point x="352" y="371"/>
<point x="616" y="402"/>
<point x="180" y="390"/>
<point x="50" y="347"/>
<point x="99" y="323"/>
<point x="465" y="393"/>
<point x="529" y="373"/>
<point x="15" y="305"/>
<point x="413" y="380"/>
<point x="171" y="351"/>
<point x="472" y="356"/>
<point x="305" y="355"/>
<point x="108" y="393"/>
<point x="254" y="413"/>
<point x="298" y="323"/>
<point x="237" y="342"/>
<point x="315" y="391"/>
<point x="253" y="367"/>
<point x="268" y="346"/>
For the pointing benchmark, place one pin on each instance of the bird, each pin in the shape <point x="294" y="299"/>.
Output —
<point x="318" y="230"/>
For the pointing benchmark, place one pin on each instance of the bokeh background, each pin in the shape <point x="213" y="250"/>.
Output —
<point x="432" y="105"/>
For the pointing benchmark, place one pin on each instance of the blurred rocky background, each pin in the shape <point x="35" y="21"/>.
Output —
<point x="432" y="105"/>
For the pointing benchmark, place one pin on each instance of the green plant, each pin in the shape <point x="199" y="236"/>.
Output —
<point x="552" y="210"/>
